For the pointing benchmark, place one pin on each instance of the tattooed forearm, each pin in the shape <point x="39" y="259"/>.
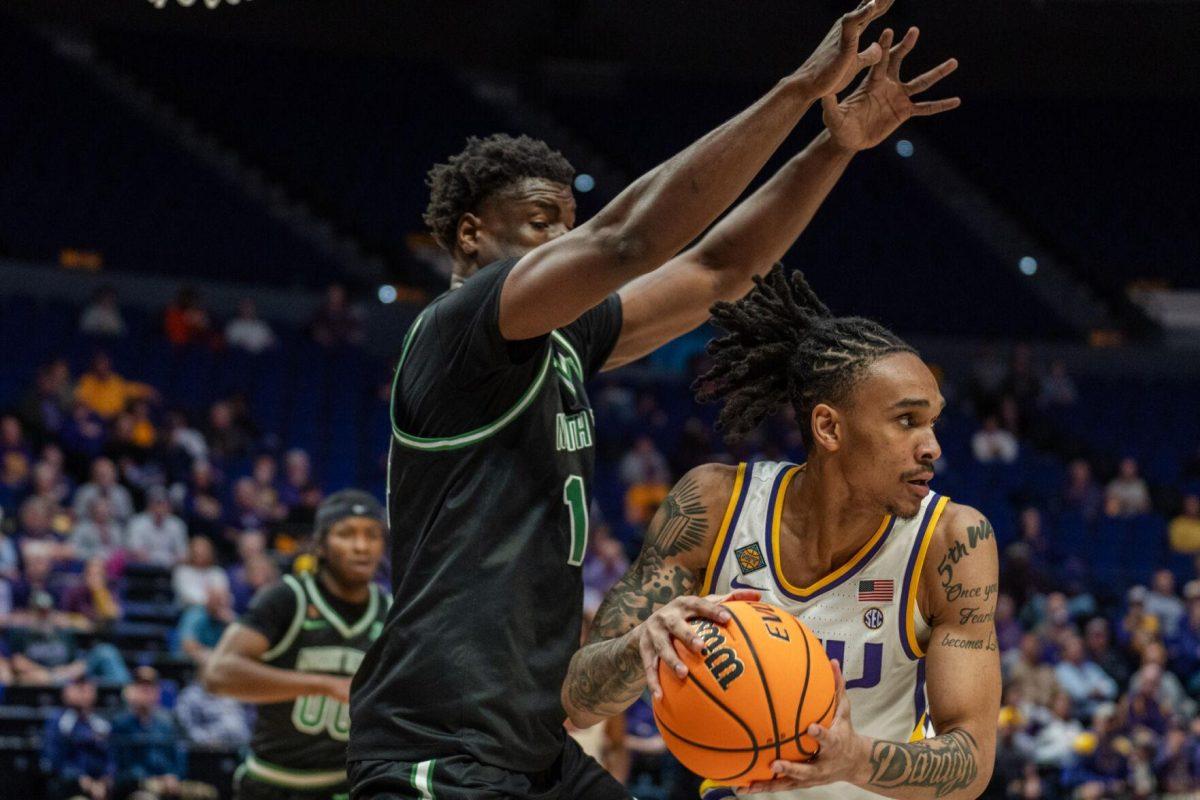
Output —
<point x="945" y="763"/>
<point x="956" y="553"/>
<point x="605" y="677"/>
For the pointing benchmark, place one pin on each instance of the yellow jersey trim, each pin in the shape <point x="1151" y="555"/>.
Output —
<point x="910" y="602"/>
<point x="714" y="557"/>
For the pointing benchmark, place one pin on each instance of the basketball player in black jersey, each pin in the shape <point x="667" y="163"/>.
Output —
<point x="293" y="653"/>
<point x="492" y="447"/>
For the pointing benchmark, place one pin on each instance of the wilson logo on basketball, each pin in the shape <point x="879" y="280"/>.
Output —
<point x="722" y="661"/>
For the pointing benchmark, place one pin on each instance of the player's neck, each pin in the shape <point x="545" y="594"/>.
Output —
<point x="822" y="524"/>
<point x="351" y="593"/>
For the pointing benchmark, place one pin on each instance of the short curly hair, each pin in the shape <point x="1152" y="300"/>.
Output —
<point x="484" y="167"/>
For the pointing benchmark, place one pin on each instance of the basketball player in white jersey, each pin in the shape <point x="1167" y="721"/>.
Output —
<point x="898" y="582"/>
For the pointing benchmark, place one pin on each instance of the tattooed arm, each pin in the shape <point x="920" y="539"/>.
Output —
<point x="962" y="663"/>
<point x="958" y="594"/>
<point x="651" y="603"/>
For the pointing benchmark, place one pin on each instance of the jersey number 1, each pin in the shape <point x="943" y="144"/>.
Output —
<point x="577" y="504"/>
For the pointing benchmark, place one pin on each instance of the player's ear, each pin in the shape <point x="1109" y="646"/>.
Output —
<point x="469" y="229"/>
<point x="826" y="427"/>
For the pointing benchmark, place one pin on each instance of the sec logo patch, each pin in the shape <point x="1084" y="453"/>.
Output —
<point x="873" y="618"/>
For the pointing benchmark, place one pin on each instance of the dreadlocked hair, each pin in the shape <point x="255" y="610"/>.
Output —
<point x="484" y="167"/>
<point x="782" y="344"/>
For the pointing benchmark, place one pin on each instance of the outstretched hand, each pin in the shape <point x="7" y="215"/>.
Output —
<point x="841" y="756"/>
<point x="883" y="102"/>
<point x="836" y="60"/>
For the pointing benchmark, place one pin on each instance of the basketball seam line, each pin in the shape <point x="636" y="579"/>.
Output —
<point x="807" y="677"/>
<point x="762" y="678"/>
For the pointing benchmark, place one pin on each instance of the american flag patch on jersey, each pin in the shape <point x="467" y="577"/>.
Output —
<point x="876" y="591"/>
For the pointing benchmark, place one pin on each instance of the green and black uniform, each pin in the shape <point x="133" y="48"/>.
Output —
<point x="298" y="749"/>
<point x="489" y="483"/>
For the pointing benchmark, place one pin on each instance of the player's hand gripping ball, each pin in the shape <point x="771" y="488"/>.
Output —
<point x="749" y="697"/>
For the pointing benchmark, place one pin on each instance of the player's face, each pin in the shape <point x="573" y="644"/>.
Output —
<point x="531" y="212"/>
<point x="890" y="438"/>
<point x="353" y="549"/>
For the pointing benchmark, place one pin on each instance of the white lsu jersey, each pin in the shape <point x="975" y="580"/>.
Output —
<point x="865" y="612"/>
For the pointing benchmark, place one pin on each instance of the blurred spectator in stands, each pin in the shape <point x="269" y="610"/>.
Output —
<point x="1184" y="648"/>
<point x="148" y="751"/>
<point x="991" y="444"/>
<point x="105" y="392"/>
<point x="1081" y="494"/>
<point x="52" y="488"/>
<point x="1127" y="494"/>
<point x="247" y="331"/>
<point x="1097" y="640"/>
<point x="247" y="512"/>
<point x="255" y="572"/>
<point x="1138" y="627"/>
<point x="200" y="627"/>
<point x="186" y="321"/>
<point x="337" y="322"/>
<point x="1008" y="629"/>
<point x="1019" y="578"/>
<point x="1058" y="388"/>
<point x="1144" y="707"/>
<point x="603" y="566"/>
<point x="695" y="446"/>
<point x="182" y="437"/>
<point x="200" y="501"/>
<point x="102" y="317"/>
<point x="1053" y="733"/>
<point x="45" y="652"/>
<point x="36" y="530"/>
<point x="1164" y="603"/>
<point x="988" y="372"/>
<point x="297" y="477"/>
<point x="1170" y="692"/>
<point x="211" y="720"/>
<point x="16" y="462"/>
<point x="1176" y="765"/>
<point x="195" y="579"/>
<point x="227" y="440"/>
<point x="1025" y="669"/>
<point x="36" y="576"/>
<point x="99" y="534"/>
<point x="1102" y="769"/>
<point x="156" y="536"/>
<point x="1184" y="531"/>
<point x="83" y="434"/>
<point x="9" y="562"/>
<point x="145" y="432"/>
<point x="75" y="746"/>
<point x="49" y="401"/>
<point x="265" y="475"/>
<point x="1022" y="385"/>
<point x="645" y="472"/>
<point x="93" y="597"/>
<point x="1009" y="769"/>
<point x="104" y="484"/>
<point x="301" y="516"/>
<point x="1083" y="680"/>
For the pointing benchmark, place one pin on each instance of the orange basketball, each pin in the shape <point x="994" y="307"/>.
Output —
<point x="749" y="698"/>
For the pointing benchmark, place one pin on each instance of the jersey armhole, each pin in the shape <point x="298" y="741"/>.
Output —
<point x="912" y="578"/>
<point x="294" y="628"/>
<point x="733" y="509"/>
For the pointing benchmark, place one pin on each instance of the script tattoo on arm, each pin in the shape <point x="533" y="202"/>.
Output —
<point x="956" y="553"/>
<point x="945" y="763"/>
<point x="607" y="674"/>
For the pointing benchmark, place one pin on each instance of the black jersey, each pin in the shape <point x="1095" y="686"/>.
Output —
<point x="489" y="483"/>
<point x="301" y="743"/>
